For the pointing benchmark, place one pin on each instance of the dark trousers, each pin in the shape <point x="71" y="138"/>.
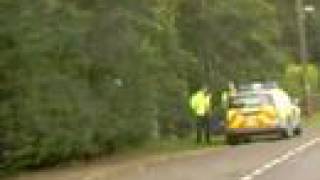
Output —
<point x="203" y="129"/>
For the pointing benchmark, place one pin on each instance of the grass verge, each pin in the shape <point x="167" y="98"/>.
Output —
<point x="168" y="146"/>
<point x="313" y="121"/>
<point x="161" y="148"/>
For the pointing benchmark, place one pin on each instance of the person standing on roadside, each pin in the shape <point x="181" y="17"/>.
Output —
<point x="200" y="103"/>
<point x="225" y="98"/>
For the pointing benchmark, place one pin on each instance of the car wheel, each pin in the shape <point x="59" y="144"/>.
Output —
<point x="287" y="132"/>
<point x="298" y="131"/>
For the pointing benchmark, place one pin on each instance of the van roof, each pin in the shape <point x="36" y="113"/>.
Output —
<point x="261" y="91"/>
<point x="258" y="86"/>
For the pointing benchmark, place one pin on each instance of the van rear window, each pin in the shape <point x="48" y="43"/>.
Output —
<point x="250" y="100"/>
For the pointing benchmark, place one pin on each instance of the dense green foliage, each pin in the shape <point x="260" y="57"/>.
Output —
<point x="83" y="78"/>
<point x="289" y="31"/>
<point x="292" y="79"/>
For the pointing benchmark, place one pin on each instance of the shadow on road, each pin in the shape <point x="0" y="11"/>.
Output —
<point x="260" y="139"/>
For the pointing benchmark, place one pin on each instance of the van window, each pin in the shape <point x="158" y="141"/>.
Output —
<point x="250" y="100"/>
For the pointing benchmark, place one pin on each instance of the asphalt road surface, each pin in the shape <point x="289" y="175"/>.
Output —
<point x="264" y="159"/>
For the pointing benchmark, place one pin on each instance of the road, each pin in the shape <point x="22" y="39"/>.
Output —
<point x="303" y="166"/>
<point x="265" y="159"/>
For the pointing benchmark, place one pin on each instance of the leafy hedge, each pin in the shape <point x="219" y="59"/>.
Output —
<point x="83" y="78"/>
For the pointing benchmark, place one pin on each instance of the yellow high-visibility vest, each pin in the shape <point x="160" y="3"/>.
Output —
<point x="200" y="103"/>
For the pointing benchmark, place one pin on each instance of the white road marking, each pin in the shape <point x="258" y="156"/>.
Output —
<point x="280" y="159"/>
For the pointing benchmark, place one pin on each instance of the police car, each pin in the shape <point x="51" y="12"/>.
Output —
<point x="262" y="109"/>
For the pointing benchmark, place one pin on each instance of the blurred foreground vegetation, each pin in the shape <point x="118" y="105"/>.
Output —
<point x="82" y="78"/>
<point x="313" y="121"/>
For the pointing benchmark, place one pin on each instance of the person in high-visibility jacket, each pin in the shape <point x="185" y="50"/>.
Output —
<point x="225" y="96"/>
<point x="200" y="103"/>
<point x="225" y="99"/>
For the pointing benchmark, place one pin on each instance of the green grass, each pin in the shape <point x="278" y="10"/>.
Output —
<point x="313" y="121"/>
<point x="165" y="147"/>
<point x="171" y="146"/>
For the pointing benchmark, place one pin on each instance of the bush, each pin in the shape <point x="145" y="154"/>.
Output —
<point x="84" y="78"/>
